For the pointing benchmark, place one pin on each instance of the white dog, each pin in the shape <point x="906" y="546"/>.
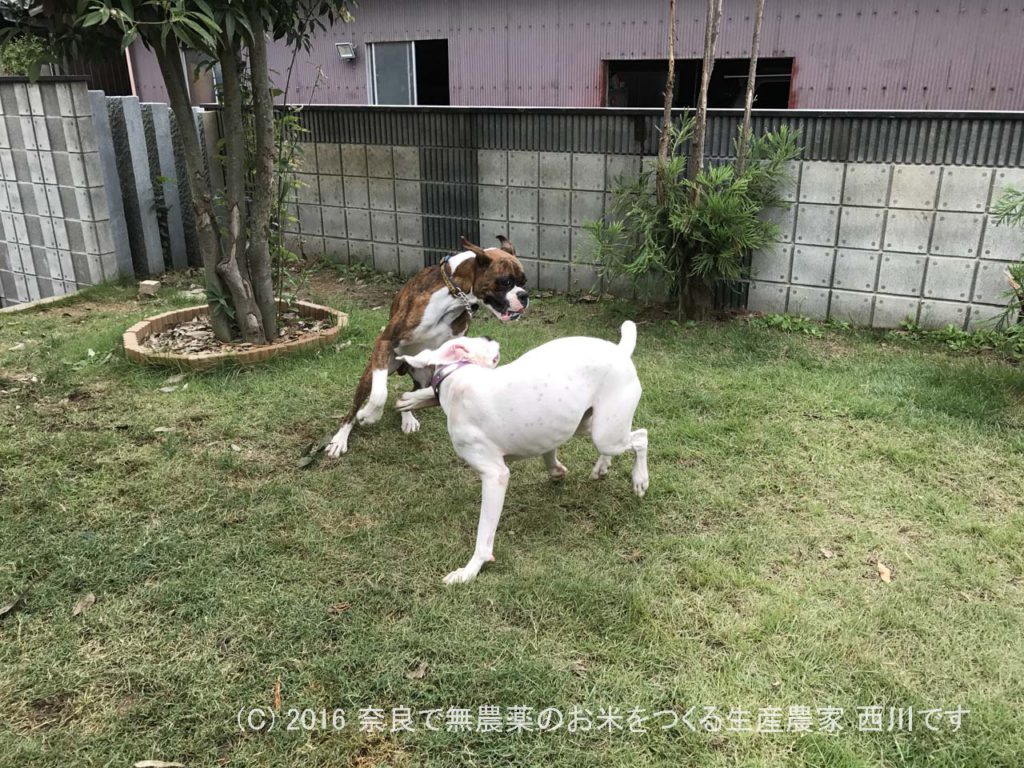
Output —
<point x="530" y="407"/>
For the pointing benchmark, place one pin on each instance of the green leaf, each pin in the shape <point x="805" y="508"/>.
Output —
<point x="129" y="38"/>
<point x="94" y="18"/>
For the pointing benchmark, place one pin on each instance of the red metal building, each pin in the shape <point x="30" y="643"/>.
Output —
<point x="817" y="54"/>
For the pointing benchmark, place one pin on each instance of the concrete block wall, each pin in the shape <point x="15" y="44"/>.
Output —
<point x="541" y="200"/>
<point x="372" y="204"/>
<point x="875" y="244"/>
<point x="56" y="233"/>
<point x="359" y="204"/>
<point x="889" y="216"/>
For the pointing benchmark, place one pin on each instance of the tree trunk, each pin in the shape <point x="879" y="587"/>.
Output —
<point x="696" y="298"/>
<point x="666" y="119"/>
<point x="748" y="104"/>
<point x="260" y="257"/>
<point x="231" y="267"/>
<point x="695" y="163"/>
<point x="169" y="60"/>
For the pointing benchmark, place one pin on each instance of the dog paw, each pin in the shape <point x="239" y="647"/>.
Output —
<point x="558" y="472"/>
<point x="600" y="469"/>
<point x="339" y="443"/>
<point x="410" y="423"/>
<point x="640" y="485"/>
<point x="460" y="576"/>
<point x="369" y="414"/>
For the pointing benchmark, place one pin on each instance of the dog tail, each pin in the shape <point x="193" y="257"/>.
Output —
<point x="628" y="341"/>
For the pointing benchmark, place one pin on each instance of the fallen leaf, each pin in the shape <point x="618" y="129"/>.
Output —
<point x="236" y="448"/>
<point x="277" y="695"/>
<point x="176" y="378"/>
<point x="827" y="553"/>
<point x="157" y="764"/>
<point x="91" y="352"/>
<point x="163" y="429"/>
<point x="5" y="609"/>
<point x="417" y="673"/>
<point x="337" y="608"/>
<point x="883" y="572"/>
<point x="17" y="347"/>
<point x="166" y="390"/>
<point x="84" y="604"/>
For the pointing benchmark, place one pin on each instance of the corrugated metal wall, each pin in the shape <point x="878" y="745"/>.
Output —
<point x="930" y="138"/>
<point x="863" y="54"/>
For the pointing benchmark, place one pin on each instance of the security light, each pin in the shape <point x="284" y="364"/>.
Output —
<point x="347" y="51"/>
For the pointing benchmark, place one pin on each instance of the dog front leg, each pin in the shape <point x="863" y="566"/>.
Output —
<point x="495" y="482"/>
<point x="420" y="381"/>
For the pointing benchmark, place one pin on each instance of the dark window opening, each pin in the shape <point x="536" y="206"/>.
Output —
<point x="634" y="83"/>
<point x="432" y="72"/>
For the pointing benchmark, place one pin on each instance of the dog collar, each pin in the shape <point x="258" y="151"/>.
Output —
<point x="457" y="293"/>
<point x="442" y="373"/>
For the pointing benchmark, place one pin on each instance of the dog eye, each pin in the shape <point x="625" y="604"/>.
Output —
<point x="506" y="282"/>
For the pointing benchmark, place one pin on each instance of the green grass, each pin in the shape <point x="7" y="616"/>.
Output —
<point x="214" y="569"/>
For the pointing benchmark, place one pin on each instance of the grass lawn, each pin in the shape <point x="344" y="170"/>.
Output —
<point x="784" y="467"/>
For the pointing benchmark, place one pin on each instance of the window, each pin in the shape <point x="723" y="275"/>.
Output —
<point x="633" y="83"/>
<point x="414" y="72"/>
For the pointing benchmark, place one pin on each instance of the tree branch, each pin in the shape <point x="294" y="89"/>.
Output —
<point x="666" y="118"/>
<point x="748" y="104"/>
<point x="695" y="163"/>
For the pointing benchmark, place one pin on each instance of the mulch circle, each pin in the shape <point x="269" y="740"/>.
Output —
<point x="195" y="337"/>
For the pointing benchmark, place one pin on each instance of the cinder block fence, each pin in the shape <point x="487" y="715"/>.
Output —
<point x="57" y="231"/>
<point x="889" y="217"/>
<point x="877" y="243"/>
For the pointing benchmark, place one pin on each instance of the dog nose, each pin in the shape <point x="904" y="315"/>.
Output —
<point x="523" y="297"/>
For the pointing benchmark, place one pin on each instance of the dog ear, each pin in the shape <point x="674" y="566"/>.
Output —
<point x="506" y="245"/>
<point x="482" y="259"/>
<point x="422" y="360"/>
<point x="451" y="352"/>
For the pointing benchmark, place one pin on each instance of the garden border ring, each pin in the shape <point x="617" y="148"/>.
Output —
<point x="135" y="337"/>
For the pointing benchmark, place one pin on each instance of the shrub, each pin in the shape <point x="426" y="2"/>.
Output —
<point x="1009" y="211"/>
<point x="22" y="55"/>
<point x="699" y="230"/>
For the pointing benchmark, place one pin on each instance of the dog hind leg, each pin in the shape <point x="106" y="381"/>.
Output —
<point x="381" y="362"/>
<point x="612" y="433"/>
<point x="601" y="467"/>
<point x="339" y="443"/>
<point x="641" y="479"/>
<point x="556" y="469"/>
